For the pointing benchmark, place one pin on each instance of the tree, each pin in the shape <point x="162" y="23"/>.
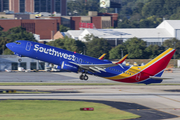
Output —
<point x="154" y="50"/>
<point x="3" y="42"/>
<point x="19" y="33"/>
<point x="116" y="52"/>
<point x="136" y="48"/>
<point x="81" y="7"/>
<point x="63" y="28"/>
<point x="8" y="52"/>
<point x="89" y="37"/>
<point x="96" y="47"/>
<point x="13" y="34"/>
<point x="173" y="43"/>
<point x="1" y="28"/>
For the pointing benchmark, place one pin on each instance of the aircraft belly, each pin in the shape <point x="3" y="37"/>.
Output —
<point x="133" y="78"/>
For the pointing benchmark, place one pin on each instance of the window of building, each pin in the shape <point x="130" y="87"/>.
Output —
<point x="49" y="4"/>
<point x="43" y="6"/>
<point x="37" y="5"/>
<point x="1" y="9"/>
<point x="23" y="64"/>
<point x="153" y="43"/>
<point x="41" y="66"/>
<point x="65" y="22"/>
<point x="58" y="6"/>
<point x="5" y="5"/>
<point x="22" y="5"/>
<point x="14" y="66"/>
<point x="33" y="65"/>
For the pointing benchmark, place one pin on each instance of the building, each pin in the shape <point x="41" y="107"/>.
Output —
<point x="153" y="36"/>
<point x="4" y="5"/>
<point x="43" y="27"/>
<point x="11" y="62"/>
<point x="21" y="6"/>
<point x="46" y="27"/>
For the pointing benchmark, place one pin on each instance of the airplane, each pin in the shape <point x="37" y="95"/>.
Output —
<point x="74" y="62"/>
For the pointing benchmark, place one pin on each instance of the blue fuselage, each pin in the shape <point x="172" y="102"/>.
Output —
<point x="56" y="56"/>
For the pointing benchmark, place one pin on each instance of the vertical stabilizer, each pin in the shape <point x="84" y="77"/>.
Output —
<point x="158" y="64"/>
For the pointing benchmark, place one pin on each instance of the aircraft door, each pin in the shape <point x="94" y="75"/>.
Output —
<point x="28" y="46"/>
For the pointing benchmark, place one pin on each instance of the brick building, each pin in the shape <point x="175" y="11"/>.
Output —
<point x="38" y="26"/>
<point x="46" y="27"/>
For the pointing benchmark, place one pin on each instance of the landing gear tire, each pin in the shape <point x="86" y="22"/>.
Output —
<point x="86" y="77"/>
<point x="83" y="77"/>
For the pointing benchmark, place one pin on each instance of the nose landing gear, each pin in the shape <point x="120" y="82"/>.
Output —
<point x="83" y="77"/>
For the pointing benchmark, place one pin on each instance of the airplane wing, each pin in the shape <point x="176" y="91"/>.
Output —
<point x="95" y="67"/>
<point x="102" y="56"/>
<point x="159" y="78"/>
<point x="100" y="67"/>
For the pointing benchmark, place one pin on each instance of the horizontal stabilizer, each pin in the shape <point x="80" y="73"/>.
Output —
<point x="159" y="78"/>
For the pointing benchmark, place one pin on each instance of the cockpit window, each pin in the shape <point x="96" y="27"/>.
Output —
<point x="18" y="43"/>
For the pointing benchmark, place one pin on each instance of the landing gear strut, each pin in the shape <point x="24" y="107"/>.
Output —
<point x="83" y="77"/>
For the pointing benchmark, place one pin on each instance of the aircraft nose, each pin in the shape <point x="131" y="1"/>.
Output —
<point x="9" y="45"/>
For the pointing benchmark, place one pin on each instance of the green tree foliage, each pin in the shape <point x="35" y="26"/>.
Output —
<point x="161" y="8"/>
<point x="135" y="48"/>
<point x="96" y="47"/>
<point x="19" y="33"/>
<point x="81" y="7"/>
<point x="89" y="37"/>
<point x="150" y="22"/>
<point x="154" y="50"/>
<point x="3" y="42"/>
<point x="13" y="34"/>
<point x="63" y="28"/>
<point x="1" y="28"/>
<point x="173" y="43"/>
<point x="116" y="52"/>
<point x="147" y="14"/>
<point x="7" y="52"/>
<point x="68" y="44"/>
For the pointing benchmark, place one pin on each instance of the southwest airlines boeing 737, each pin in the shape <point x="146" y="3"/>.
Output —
<point x="74" y="62"/>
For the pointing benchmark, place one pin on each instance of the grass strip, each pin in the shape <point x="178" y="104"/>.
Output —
<point x="59" y="110"/>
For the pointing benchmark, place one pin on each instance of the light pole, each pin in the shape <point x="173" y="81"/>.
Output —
<point x="3" y="50"/>
<point x="84" y="50"/>
<point x="122" y="53"/>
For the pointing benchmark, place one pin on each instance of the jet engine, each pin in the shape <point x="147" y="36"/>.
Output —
<point x="69" y="67"/>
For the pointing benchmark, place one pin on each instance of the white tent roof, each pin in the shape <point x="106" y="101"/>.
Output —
<point x="129" y="33"/>
<point x="173" y="23"/>
<point x="74" y="33"/>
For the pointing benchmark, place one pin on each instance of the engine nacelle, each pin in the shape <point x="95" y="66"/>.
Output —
<point x="58" y="67"/>
<point x="69" y="67"/>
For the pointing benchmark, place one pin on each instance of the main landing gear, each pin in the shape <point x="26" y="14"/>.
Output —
<point x="83" y="77"/>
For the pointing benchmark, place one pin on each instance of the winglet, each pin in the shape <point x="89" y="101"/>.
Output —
<point x="122" y="59"/>
<point x="102" y="56"/>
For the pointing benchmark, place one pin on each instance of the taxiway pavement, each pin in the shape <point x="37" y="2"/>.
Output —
<point x="159" y="100"/>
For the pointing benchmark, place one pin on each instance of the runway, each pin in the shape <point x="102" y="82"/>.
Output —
<point x="151" y="102"/>
<point x="69" y="77"/>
